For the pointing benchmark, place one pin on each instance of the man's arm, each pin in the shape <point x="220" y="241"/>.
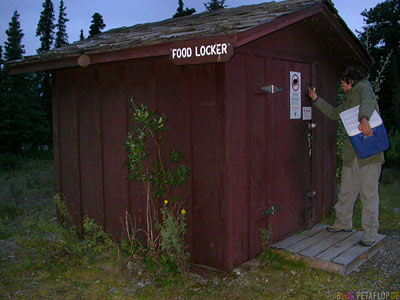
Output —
<point x="327" y="109"/>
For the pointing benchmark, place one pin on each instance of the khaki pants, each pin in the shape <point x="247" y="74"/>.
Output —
<point x="363" y="181"/>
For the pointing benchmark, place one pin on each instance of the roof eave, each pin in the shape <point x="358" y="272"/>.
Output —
<point x="324" y="8"/>
<point x="240" y="38"/>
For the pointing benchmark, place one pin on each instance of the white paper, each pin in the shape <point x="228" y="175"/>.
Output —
<point x="307" y="113"/>
<point x="350" y="120"/>
<point x="295" y="95"/>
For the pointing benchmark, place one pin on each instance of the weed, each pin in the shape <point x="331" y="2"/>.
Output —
<point x="164" y="251"/>
<point x="265" y="237"/>
<point x="95" y="239"/>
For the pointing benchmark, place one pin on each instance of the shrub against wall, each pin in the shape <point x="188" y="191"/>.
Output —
<point x="160" y="177"/>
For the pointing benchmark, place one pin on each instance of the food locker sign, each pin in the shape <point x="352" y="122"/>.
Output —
<point x="205" y="51"/>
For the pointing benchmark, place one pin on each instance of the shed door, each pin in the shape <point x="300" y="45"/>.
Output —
<point x="287" y="165"/>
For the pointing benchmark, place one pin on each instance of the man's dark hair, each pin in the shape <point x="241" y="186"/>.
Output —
<point x="353" y="74"/>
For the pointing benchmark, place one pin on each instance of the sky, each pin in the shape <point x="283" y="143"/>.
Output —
<point x="118" y="13"/>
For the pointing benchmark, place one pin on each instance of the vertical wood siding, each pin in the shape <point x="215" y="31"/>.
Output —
<point x="244" y="153"/>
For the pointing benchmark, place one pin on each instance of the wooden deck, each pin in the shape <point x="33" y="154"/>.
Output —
<point x="334" y="252"/>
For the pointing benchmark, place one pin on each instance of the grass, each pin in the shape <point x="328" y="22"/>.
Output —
<point x="39" y="259"/>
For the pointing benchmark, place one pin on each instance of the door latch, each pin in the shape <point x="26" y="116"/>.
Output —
<point x="312" y="125"/>
<point x="272" y="210"/>
<point x="272" y="89"/>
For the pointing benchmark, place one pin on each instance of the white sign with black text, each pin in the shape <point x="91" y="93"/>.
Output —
<point x="307" y="113"/>
<point x="295" y="95"/>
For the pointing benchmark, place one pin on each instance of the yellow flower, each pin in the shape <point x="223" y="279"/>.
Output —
<point x="183" y="211"/>
<point x="165" y="202"/>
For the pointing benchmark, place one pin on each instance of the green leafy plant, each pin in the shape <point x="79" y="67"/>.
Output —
<point x="161" y="176"/>
<point x="62" y="212"/>
<point x="393" y="154"/>
<point x="265" y="237"/>
<point x="95" y="238"/>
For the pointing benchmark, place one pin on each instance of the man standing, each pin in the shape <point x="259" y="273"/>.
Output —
<point x="359" y="176"/>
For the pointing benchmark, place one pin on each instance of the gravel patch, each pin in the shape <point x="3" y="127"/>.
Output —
<point x="386" y="262"/>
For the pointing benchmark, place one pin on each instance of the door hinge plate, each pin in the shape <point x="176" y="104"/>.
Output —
<point x="272" y="210"/>
<point x="272" y="89"/>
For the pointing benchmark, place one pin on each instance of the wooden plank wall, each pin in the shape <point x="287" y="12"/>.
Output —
<point x="91" y="123"/>
<point x="237" y="153"/>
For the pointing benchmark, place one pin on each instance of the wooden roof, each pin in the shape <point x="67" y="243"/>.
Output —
<point x="222" y="22"/>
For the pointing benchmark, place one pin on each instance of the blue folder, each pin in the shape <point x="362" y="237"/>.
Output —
<point x="365" y="146"/>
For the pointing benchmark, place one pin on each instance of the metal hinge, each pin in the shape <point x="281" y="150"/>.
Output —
<point x="311" y="194"/>
<point x="272" y="210"/>
<point x="272" y="89"/>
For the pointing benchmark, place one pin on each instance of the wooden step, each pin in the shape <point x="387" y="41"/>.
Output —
<point x="333" y="252"/>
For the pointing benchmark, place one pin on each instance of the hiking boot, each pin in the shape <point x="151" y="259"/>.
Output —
<point x="366" y="243"/>
<point x="335" y="228"/>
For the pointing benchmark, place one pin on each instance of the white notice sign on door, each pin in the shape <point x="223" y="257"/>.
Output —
<point x="307" y="113"/>
<point x="295" y="95"/>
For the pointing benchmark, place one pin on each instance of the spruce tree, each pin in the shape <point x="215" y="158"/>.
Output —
<point x="382" y="33"/>
<point x="21" y="117"/>
<point x="97" y="25"/>
<point x="81" y="36"/>
<point x="1" y="65"/>
<point x="214" y="5"/>
<point x="61" y="35"/>
<point x="180" y="12"/>
<point x="13" y="47"/>
<point x="45" y="28"/>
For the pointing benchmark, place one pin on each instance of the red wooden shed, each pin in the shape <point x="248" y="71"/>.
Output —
<point x="232" y="83"/>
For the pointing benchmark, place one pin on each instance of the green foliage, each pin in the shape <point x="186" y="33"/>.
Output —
<point x="341" y="137"/>
<point x="45" y="28"/>
<point x="22" y="125"/>
<point x="61" y="34"/>
<point x="392" y="156"/>
<point x="381" y="37"/>
<point x="265" y="237"/>
<point x="172" y="233"/>
<point x="13" y="47"/>
<point x="81" y="36"/>
<point x="214" y="5"/>
<point x="97" y="24"/>
<point x="95" y="239"/>
<point x="180" y="12"/>
<point x="160" y="175"/>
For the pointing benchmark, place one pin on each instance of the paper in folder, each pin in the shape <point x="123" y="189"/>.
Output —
<point x="365" y="146"/>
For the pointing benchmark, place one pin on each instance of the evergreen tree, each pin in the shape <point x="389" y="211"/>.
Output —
<point x="13" y="47"/>
<point x="214" y="5"/>
<point x="45" y="28"/>
<point x="1" y="65"/>
<point x="61" y="35"/>
<point x="81" y="36"/>
<point x="97" y="25"/>
<point x="180" y="12"/>
<point x="382" y="34"/>
<point x="21" y="117"/>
